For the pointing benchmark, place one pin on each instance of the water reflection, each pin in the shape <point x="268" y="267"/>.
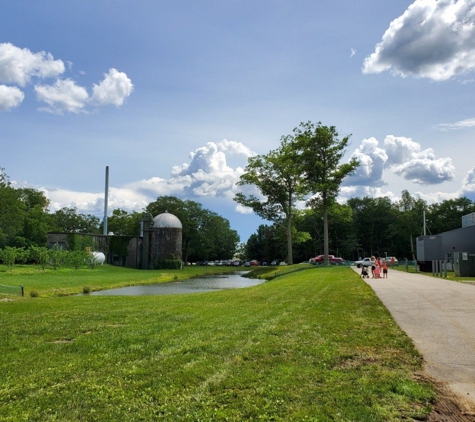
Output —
<point x="207" y="283"/>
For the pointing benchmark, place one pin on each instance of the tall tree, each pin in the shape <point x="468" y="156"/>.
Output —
<point x="319" y="162"/>
<point x="279" y="183"/>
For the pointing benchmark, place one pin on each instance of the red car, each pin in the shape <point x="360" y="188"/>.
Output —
<point x="254" y="263"/>
<point x="331" y="258"/>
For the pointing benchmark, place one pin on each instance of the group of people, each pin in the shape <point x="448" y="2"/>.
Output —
<point x="379" y="266"/>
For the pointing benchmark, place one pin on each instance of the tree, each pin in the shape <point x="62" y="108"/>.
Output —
<point x="448" y="214"/>
<point x="122" y="223"/>
<point x="319" y="155"/>
<point x="68" y="220"/>
<point x="12" y="211"/>
<point x="279" y="183"/>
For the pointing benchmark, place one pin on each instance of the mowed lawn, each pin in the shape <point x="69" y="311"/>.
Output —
<point x="312" y="345"/>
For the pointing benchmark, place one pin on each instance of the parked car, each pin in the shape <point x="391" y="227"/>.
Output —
<point x="274" y="262"/>
<point x="211" y="263"/>
<point x="237" y="263"/>
<point x="366" y="262"/>
<point x="332" y="259"/>
<point x="247" y="264"/>
<point x="283" y="263"/>
<point x="254" y="263"/>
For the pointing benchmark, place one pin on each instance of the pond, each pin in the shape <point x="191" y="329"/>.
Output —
<point x="209" y="283"/>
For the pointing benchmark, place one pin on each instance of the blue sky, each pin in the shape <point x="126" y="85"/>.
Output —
<point x="174" y="96"/>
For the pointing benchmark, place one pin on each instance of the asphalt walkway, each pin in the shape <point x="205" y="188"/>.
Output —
<point x="439" y="316"/>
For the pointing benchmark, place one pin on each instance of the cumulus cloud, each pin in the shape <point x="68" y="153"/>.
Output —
<point x="372" y="159"/>
<point x="207" y="178"/>
<point x="10" y="97"/>
<point x="114" y="89"/>
<point x="402" y="156"/>
<point x="64" y="95"/>
<point x="432" y="39"/>
<point x="19" y="65"/>
<point x="206" y="175"/>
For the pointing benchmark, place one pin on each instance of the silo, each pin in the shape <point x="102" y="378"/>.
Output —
<point x="166" y="237"/>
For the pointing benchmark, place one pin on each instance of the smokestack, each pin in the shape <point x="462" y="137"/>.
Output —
<point x="106" y="202"/>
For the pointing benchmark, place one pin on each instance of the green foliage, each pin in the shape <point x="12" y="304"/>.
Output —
<point x="9" y="255"/>
<point x="40" y="255"/>
<point x="34" y="293"/>
<point x="119" y="245"/>
<point x="168" y="264"/>
<point x="77" y="259"/>
<point x="57" y="256"/>
<point x="122" y="223"/>
<point x="280" y="184"/>
<point x="68" y="220"/>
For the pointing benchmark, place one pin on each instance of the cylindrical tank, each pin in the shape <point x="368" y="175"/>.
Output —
<point x="166" y="241"/>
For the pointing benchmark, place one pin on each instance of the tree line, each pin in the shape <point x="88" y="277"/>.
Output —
<point x="25" y="222"/>
<point x="306" y="168"/>
<point x="361" y="227"/>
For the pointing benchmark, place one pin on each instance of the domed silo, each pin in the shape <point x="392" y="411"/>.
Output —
<point x="166" y="239"/>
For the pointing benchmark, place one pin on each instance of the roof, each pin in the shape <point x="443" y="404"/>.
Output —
<point x="167" y="220"/>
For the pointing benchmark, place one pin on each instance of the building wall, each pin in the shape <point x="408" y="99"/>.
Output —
<point x="166" y="243"/>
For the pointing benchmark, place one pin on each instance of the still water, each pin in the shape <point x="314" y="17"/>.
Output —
<point x="209" y="283"/>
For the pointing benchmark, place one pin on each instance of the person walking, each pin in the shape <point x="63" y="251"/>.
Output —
<point x="373" y="266"/>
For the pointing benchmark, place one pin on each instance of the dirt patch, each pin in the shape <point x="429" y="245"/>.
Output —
<point x="451" y="407"/>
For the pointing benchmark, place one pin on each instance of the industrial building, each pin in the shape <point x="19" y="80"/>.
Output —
<point x="455" y="247"/>
<point x="160" y="241"/>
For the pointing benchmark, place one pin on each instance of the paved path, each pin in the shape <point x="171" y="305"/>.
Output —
<point x="439" y="316"/>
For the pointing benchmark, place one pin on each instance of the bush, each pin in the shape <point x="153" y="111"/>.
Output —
<point x="168" y="264"/>
<point x="34" y="293"/>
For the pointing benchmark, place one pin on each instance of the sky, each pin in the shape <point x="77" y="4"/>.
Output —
<point x="175" y="96"/>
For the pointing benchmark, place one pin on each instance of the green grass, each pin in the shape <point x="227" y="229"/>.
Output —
<point x="68" y="281"/>
<point x="310" y="345"/>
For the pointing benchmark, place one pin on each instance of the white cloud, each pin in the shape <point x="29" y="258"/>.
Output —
<point x="348" y="192"/>
<point x="19" y="65"/>
<point x="207" y="177"/>
<point x="402" y="156"/>
<point x="433" y="39"/>
<point x="372" y="160"/>
<point x="353" y="52"/>
<point x="407" y="160"/>
<point x="233" y="147"/>
<point x="114" y="89"/>
<point x="10" y="97"/>
<point x="457" y="125"/>
<point x="64" y="95"/>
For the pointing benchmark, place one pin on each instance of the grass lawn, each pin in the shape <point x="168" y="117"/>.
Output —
<point x="68" y="281"/>
<point x="310" y="345"/>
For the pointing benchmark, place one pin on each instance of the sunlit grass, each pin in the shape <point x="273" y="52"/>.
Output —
<point x="313" y="345"/>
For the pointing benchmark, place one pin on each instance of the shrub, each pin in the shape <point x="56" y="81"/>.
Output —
<point x="168" y="264"/>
